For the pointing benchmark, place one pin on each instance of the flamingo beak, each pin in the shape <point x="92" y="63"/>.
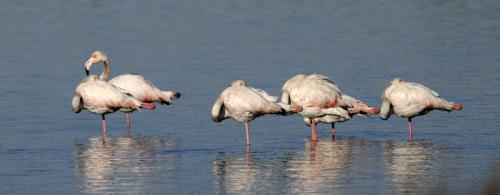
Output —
<point x="87" y="66"/>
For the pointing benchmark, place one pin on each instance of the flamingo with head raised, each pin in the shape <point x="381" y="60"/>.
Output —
<point x="409" y="99"/>
<point x="244" y="104"/>
<point x="322" y="101"/>
<point x="135" y="84"/>
<point x="101" y="98"/>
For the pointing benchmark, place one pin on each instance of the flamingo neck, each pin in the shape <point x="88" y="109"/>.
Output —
<point x="105" y="72"/>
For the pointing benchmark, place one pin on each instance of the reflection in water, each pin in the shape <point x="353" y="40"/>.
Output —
<point x="409" y="166"/>
<point x="321" y="167"/>
<point x="123" y="165"/>
<point x="241" y="174"/>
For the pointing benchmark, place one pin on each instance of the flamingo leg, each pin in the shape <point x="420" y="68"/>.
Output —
<point x="314" y="145"/>
<point x="104" y="129"/>
<point x="333" y="130"/>
<point x="410" y="128"/>
<point x="127" y="116"/>
<point x="314" y="131"/>
<point x="247" y="132"/>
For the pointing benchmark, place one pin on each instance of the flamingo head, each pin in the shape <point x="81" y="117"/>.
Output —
<point x="95" y="57"/>
<point x="237" y="83"/>
<point x="397" y="80"/>
<point x="359" y="107"/>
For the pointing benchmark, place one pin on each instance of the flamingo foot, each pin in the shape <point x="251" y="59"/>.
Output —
<point x="457" y="107"/>
<point x="148" y="106"/>
<point x="375" y="111"/>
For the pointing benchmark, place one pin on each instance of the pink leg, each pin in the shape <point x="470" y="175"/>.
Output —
<point x="104" y="129"/>
<point x="247" y="132"/>
<point x="314" y="145"/>
<point x="333" y="130"/>
<point x="410" y="128"/>
<point x="127" y="116"/>
<point x="247" y="149"/>
<point x="314" y="131"/>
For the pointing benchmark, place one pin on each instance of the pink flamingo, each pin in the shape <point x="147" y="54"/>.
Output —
<point x="135" y="84"/>
<point x="100" y="97"/>
<point x="321" y="100"/>
<point x="408" y="99"/>
<point x="244" y="104"/>
<point x="315" y="93"/>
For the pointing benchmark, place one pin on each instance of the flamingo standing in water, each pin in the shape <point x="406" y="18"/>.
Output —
<point x="135" y="84"/>
<point x="321" y="100"/>
<point x="243" y="104"/>
<point x="348" y="107"/>
<point x="408" y="99"/>
<point x="100" y="97"/>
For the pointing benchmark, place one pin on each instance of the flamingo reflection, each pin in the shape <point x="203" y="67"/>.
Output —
<point x="410" y="167"/>
<point x="241" y="174"/>
<point x="322" y="166"/>
<point x="124" y="165"/>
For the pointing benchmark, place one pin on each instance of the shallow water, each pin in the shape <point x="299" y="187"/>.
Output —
<point x="199" y="47"/>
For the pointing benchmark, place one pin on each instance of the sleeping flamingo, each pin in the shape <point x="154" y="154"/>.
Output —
<point x="135" y="84"/>
<point x="243" y="104"/>
<point x="348" y="107"/>
<point x="321" y="100"/>
<point x="100" y="97"/>
<point x="408" y="99"/>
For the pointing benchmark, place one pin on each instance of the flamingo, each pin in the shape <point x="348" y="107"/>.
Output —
<point x="321" y="100"/>
<point x="244" y="104"/>
<point x="135" y="84"/>
<point x="409" y="99"/>
<point x="348" y="108"/>
<point x="314" y="93"/>
<point x="100" y="97"/>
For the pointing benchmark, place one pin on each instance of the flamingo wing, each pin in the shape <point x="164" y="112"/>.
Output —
<point x="422" y="88"/>
<point x="264" y="94"/>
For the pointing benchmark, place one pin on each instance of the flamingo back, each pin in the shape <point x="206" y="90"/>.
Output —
<point x="311" y="90"/>
<point x="246" y="101"/>
<point x="410" y="99"/>
<point x="140" y="88"/>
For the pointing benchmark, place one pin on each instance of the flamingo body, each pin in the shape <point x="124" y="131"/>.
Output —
<point x="322" y="101"/>
<point x="409" y="99"/>
<point x="244" y="104"/>
<point x="100" y="97"/>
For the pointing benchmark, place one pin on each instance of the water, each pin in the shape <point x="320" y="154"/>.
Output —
<point x="199" y="47"/>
